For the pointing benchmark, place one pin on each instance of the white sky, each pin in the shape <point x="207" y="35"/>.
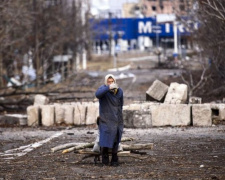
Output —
<point x="98" y="5"/>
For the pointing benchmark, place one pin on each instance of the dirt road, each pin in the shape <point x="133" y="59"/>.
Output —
<point x="178" y="153"/>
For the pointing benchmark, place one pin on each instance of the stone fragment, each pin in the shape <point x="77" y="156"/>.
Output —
<point x="47" y="114"/>
<point x="177" y="94"/>
<point x="40" y="100"/>
<point x="195" y="100"/>
<point x="202" y="115"/>
<point x="33" y="115"/>
<point x="157" y="91"/>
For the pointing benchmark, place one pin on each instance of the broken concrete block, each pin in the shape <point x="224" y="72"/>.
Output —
<point x="128" y="118"/>
<point x="201" y="115"/>
<point x="138" y="115"/>
<point x="128" y="114"/>
<point x="92" y="111"/>
<point x="79" y="114"/>
<point x="218" y="111"/>
<point x="47" y="114"/>
<point x="59" y="114"/>
<point x="33" y="115"/>
<point x="68" y="114"/>
<point x="171" y="115"/>
<point x="142" y="119"/>
<point x="40" y="100"/>
<point x="157" y="91"/>
<point x="195" y="100"/>
<point x="177" y="94"/>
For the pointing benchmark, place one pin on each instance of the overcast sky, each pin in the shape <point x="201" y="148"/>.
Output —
<point x="98" y="5"/>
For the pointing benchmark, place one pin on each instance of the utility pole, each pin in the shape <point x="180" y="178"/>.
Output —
<point x="175" y="53"/>
<point x="110" y="34"/>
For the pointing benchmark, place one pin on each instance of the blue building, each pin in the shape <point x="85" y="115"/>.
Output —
<point x="136" y="33"/>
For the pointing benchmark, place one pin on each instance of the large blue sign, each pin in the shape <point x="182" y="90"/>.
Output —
<point x="132" y="28"/>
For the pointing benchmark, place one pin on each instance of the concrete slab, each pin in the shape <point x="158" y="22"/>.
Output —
<point x="69" y="113"/>
<point x="47" y="115"/>
<point x="171" y="115"/>
<point x="33" y="115"/>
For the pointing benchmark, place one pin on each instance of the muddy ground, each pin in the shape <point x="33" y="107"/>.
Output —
<point x="178" y="153"/>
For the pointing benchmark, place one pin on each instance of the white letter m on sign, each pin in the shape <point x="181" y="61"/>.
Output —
<point x="145" y="28"/>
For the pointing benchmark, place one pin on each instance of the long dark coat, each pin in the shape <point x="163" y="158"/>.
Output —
<point x="111" y="118"/>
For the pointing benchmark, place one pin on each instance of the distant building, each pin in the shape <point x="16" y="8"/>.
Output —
<point x="153" y="7"/>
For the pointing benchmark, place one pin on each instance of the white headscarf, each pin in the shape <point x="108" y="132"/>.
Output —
<point x="107" y="77"/>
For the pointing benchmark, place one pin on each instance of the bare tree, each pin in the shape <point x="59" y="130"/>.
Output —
<point x="14" y="31"/>
<point x="206" y="23"/>
<point x="211" y="15"/>
<point x="44" y="27"/>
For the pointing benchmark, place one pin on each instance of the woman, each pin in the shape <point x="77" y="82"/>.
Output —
<point x="111" y="119"/>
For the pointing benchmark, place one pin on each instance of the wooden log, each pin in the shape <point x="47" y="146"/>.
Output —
<point x="85" y="151"/>
<point x="120" y="154"/>
<point x="137" y="146"/>
<point x="88" y="145"/>
<point x="126" y="139"/>
<point x="68" y="145"/>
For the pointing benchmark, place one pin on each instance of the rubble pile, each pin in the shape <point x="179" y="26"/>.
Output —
<point x="168" y="106"/>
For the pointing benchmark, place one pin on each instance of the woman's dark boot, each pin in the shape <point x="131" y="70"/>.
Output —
<point x="105" y="156"/>
<point x="114" y="160"/>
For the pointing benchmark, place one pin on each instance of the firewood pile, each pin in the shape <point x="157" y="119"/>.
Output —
<point x="86" y="149"/>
